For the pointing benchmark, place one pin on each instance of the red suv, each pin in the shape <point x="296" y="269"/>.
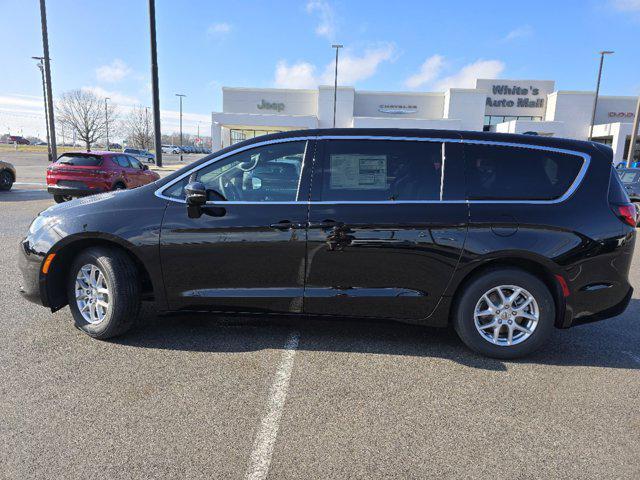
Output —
<point x="77" y="174"/>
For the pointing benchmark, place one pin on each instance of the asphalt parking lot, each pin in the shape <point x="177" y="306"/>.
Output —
<point x="195" y="396"/>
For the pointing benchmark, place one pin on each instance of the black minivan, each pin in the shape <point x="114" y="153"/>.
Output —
<point x="503" y="236"/>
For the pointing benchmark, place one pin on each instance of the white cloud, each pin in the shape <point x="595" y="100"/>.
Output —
<point x="467" y="75"/>
<point x="626" y="5"/>
<point x="113" y="72"/>
<point x="298" y="75"/>
<point x="326" y="16"/>
<point x="351" y="69"/>
<point x="115" y="97"/>
<point x="520" y="32"/>
<point x="429" y="71"/>
<point x="219" y="29"/>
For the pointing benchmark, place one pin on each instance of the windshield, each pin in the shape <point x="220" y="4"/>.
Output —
<point x="79" y="160"/>
<point x="630" y="176"/>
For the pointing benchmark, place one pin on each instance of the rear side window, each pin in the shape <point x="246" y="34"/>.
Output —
<point x="629" y="176"/>
<point x="514" y="173"/>
<point x="122" y="160"/>
<point x="80" y="160"/>
<point x="380" y="170"/>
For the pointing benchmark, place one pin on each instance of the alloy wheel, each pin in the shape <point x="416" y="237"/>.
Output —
<point x="506" y="315"/>
<point x="92" y="294"/>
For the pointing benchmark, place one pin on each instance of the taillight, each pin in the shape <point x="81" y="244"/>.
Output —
<point x="627" y="213"/>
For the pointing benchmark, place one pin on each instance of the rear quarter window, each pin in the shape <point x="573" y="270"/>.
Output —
<point x="497" y="172"/>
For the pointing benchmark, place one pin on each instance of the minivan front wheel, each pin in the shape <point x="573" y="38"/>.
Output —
<point x="103" y="292"/>
<point x="505" y="313"/>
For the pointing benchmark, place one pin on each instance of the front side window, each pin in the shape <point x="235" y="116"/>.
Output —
<point x="518" y="173"/>
<point x="269" y="173"/>
<point x="135" y="163"/>
<point x="381" y="170"/>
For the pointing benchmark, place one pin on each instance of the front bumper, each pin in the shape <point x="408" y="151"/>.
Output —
<point x="32" y="286"/>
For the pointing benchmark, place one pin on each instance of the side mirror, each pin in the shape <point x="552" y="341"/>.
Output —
<point x="196" y="197"/>
<point x="144" y="167"/>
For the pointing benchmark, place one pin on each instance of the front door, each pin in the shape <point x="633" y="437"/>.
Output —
<point x="247" y="251"/>
<point x="387" y="225"/>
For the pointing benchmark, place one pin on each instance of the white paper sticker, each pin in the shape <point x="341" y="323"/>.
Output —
<point x="358" y="171"/>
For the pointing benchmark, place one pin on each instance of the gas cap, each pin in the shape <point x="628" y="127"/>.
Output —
<point x="506" y="226"/>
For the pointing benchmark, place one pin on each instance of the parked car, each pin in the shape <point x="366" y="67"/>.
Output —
<point x="18" y="139"/>
<point x="503" y="236"/>
<point x="77" y="174"/>
<point x="142" y="155"/>
<point x="7" y="175"/>
<point x="631" y="180"/>
<point x="170" y="149"/>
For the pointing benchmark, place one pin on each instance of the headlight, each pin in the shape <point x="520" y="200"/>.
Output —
<point x="39" y="222"/>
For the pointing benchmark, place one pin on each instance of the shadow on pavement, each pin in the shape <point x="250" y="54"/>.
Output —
<point x="611" y="343"/>
<point x="24" y="195"/>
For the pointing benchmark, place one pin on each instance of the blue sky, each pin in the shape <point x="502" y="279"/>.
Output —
<point x="402" y="45"/>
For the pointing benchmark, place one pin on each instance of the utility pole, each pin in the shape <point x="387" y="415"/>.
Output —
<point x="634" y="135"/>
<point x="181" y="96"/>
<point x="47" y="73"/>
<point x="106" y="118"/>
<point x="595" y="100"/>
<point x="46" y="114"/>
<point x="335" y="84"/>
<point x="154" y="83"/>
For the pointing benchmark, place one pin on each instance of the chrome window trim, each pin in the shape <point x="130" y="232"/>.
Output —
<point x="586" y="160"/>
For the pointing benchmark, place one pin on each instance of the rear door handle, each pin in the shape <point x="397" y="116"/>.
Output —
<point x="286" y="225"/>
<point x="324" y="224"/>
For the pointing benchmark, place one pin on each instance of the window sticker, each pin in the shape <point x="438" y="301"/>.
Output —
<point x="358" y="171"/>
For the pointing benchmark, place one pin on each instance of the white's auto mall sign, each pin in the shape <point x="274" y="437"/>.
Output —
<point x="516" y="97"/>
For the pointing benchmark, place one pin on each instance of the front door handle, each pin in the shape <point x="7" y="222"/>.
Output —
<point x="324" y="224"/>
<point x="286" y="225"/>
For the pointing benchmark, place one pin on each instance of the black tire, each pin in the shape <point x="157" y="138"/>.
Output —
<point x="124" y="291"/>
<point x="6" y="180"/>
<point x="463" y="313"/>
<point x="119" y="186"/>
<point x="62" y="198"/>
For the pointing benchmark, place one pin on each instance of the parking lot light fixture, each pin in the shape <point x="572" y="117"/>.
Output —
<point x="595" y="100"/>
<point x="106" y="118"/>
<point x="335" y="83"/>
<point x="180" y="95"/>
<point x="44" y="96"/>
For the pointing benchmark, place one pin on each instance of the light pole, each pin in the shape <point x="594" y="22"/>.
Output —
<point x="634" y="135"/>
<point x="180" y="96"/>
<point x="335" y="84"/>
<point x="595" y="100"/>
<point x="154" y="83"/>
<point x="44" y="95"/>
<point x="106" y="119"/>
<point x="47" y="73"/>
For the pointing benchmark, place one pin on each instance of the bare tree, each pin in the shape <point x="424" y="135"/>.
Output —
<point x="84" y="112"/>
<point x="138" y="127"/>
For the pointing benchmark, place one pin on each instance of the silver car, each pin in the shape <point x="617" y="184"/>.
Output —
<point x="631" y="180"/>
<point x="7" y="175"/>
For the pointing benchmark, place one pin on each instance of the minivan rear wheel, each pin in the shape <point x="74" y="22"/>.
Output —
<point x="103" y="290"/>
<point x="504" y="313"/>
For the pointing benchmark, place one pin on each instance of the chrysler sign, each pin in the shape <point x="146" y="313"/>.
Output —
<point x="397" y="109"/>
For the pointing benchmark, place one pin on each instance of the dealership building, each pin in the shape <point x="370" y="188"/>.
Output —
<point x="508" y="106"/>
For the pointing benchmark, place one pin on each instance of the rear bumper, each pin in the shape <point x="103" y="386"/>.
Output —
<point x="74" y="192"/>
<point x="610" y="312"/>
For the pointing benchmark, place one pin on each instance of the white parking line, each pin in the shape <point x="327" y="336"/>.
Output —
<point x="268" y="431"/>
<point x="31" y="183"/>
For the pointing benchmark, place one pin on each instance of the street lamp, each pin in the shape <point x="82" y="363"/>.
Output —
<point x="335" y="84"/>
<point x="44" y="95"/>
<point x="595" y="100"/>
<point x="180" y="95"/>
<point x="106" y="119"/>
